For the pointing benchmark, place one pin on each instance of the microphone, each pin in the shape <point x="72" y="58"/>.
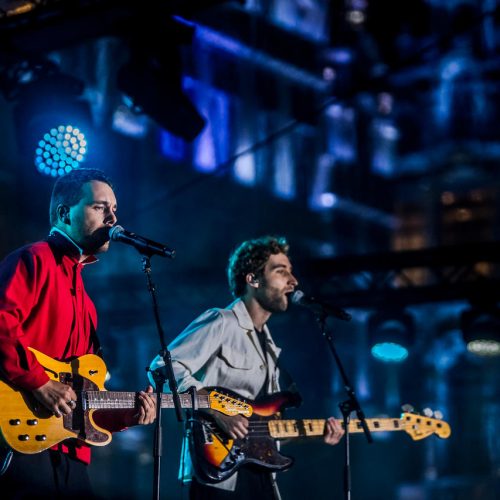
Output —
<point x="143" y="245"/>
<point x="319" y="307"/>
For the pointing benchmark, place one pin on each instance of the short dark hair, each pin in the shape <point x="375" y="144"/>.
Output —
<point x="251" y="257"/>
<point x="68" y="189"/>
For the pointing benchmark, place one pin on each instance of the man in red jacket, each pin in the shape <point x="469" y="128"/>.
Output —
<point x="44" y="305"/>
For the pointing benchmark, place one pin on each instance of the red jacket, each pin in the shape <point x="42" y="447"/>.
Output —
<point x="44" y="305"/>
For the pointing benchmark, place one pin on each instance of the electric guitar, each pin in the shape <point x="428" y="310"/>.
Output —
<point x="28" y="427"/>
<point x="216" y="457"/>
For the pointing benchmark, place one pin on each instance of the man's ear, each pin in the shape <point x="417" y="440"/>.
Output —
<point x="63" y="214"/>
<point x="252" y="280"/>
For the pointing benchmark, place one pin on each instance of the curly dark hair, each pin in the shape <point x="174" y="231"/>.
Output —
<point x="251" y="257"/>
<point x="68" y="189"/>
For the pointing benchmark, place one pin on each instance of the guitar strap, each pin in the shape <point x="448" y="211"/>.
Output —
<point x="96" y="345"/>
<point x="261" y="337"/>
<point x="5" y="458"/>
<point x="290" y="384"/>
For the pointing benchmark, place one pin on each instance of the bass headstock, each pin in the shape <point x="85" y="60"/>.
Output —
<point x="422" y="426"/>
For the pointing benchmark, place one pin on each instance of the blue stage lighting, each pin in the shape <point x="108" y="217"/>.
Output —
<point x="53" y="121"/>
<point x="61" y="150"/>
<point x="391" y="334"/>
<point x="389" y="352"/>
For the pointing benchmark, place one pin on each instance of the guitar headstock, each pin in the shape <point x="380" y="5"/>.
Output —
<point x="229" y="405"/>
<point x="420" y="426"/>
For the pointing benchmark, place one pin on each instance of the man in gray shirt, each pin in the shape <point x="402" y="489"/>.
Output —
<point x="233" y="348"/>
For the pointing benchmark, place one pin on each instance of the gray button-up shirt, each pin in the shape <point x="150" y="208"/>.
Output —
<point x="220" y="348"/>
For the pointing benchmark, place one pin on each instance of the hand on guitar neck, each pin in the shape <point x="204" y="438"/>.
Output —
<point x="333" y="431"/>
<point x="147" y="408"/>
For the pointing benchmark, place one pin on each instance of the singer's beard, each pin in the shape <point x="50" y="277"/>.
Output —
<point x="276" y="302"/>
<point x="103" y="248"/>
<point x="97" y="242"/>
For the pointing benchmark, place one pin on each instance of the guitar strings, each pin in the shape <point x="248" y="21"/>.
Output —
<point x="261" y="429"/>
<point x="258" y="429"/>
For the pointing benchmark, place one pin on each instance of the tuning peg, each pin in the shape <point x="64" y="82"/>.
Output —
<point x="427" y="412"/>
<point x="438" y="415"/>
<point x="407" y="408"/>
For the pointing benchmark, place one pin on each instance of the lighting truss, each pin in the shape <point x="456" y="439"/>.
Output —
<point x="408" y="277"/>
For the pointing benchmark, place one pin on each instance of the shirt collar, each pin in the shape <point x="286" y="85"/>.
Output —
<point x="245" y="321"/>
<point x="69" y="246"/>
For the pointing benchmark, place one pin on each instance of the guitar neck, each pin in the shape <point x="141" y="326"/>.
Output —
<point x="285" y="429"/>
<point x="112" y="400"/>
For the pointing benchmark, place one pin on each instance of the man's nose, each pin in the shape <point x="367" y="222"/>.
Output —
<point x="111" y="218"/>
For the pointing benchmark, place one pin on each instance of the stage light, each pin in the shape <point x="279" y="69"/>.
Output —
<point x="152" y="79"/>
<point x="61" y="150"/>
<point x="156" y="93"/>
<point x="53" y="123"/>
<point x="481" y="331"/>
<point x="391" y="334"/>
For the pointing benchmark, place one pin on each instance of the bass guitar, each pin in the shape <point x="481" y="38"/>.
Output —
<point x="216" y="457"/>
<point x="28" y="427"/>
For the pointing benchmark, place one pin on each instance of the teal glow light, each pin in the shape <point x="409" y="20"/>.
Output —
<point x="61" y="150"/>
<point x="389" y="352"/>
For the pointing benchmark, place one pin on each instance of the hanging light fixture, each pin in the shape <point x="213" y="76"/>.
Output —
<point x="481" y="330"/>
<point x="391" y="334"/>
<point x="53" y="121"/>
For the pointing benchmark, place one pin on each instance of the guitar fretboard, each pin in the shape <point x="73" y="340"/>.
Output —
<point x="120" y="400"/>
<point x="281" y="429"/>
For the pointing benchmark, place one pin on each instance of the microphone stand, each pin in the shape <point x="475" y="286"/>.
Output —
<point x="159" y="377"/>
<point x="346" y="407"/>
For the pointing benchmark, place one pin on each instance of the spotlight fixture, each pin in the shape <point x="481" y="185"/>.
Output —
<point x="52" y="121"/>
<point x="391" y="333"/>
<point x="154" y="93"/>
<point x="61" y="150"/>
<point x="152" y="78"/>
<point x="481" y="330"/>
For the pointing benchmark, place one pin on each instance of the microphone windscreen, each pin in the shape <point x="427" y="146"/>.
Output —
<point x="115" y="231"/>
<point x="297" y="296"/>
